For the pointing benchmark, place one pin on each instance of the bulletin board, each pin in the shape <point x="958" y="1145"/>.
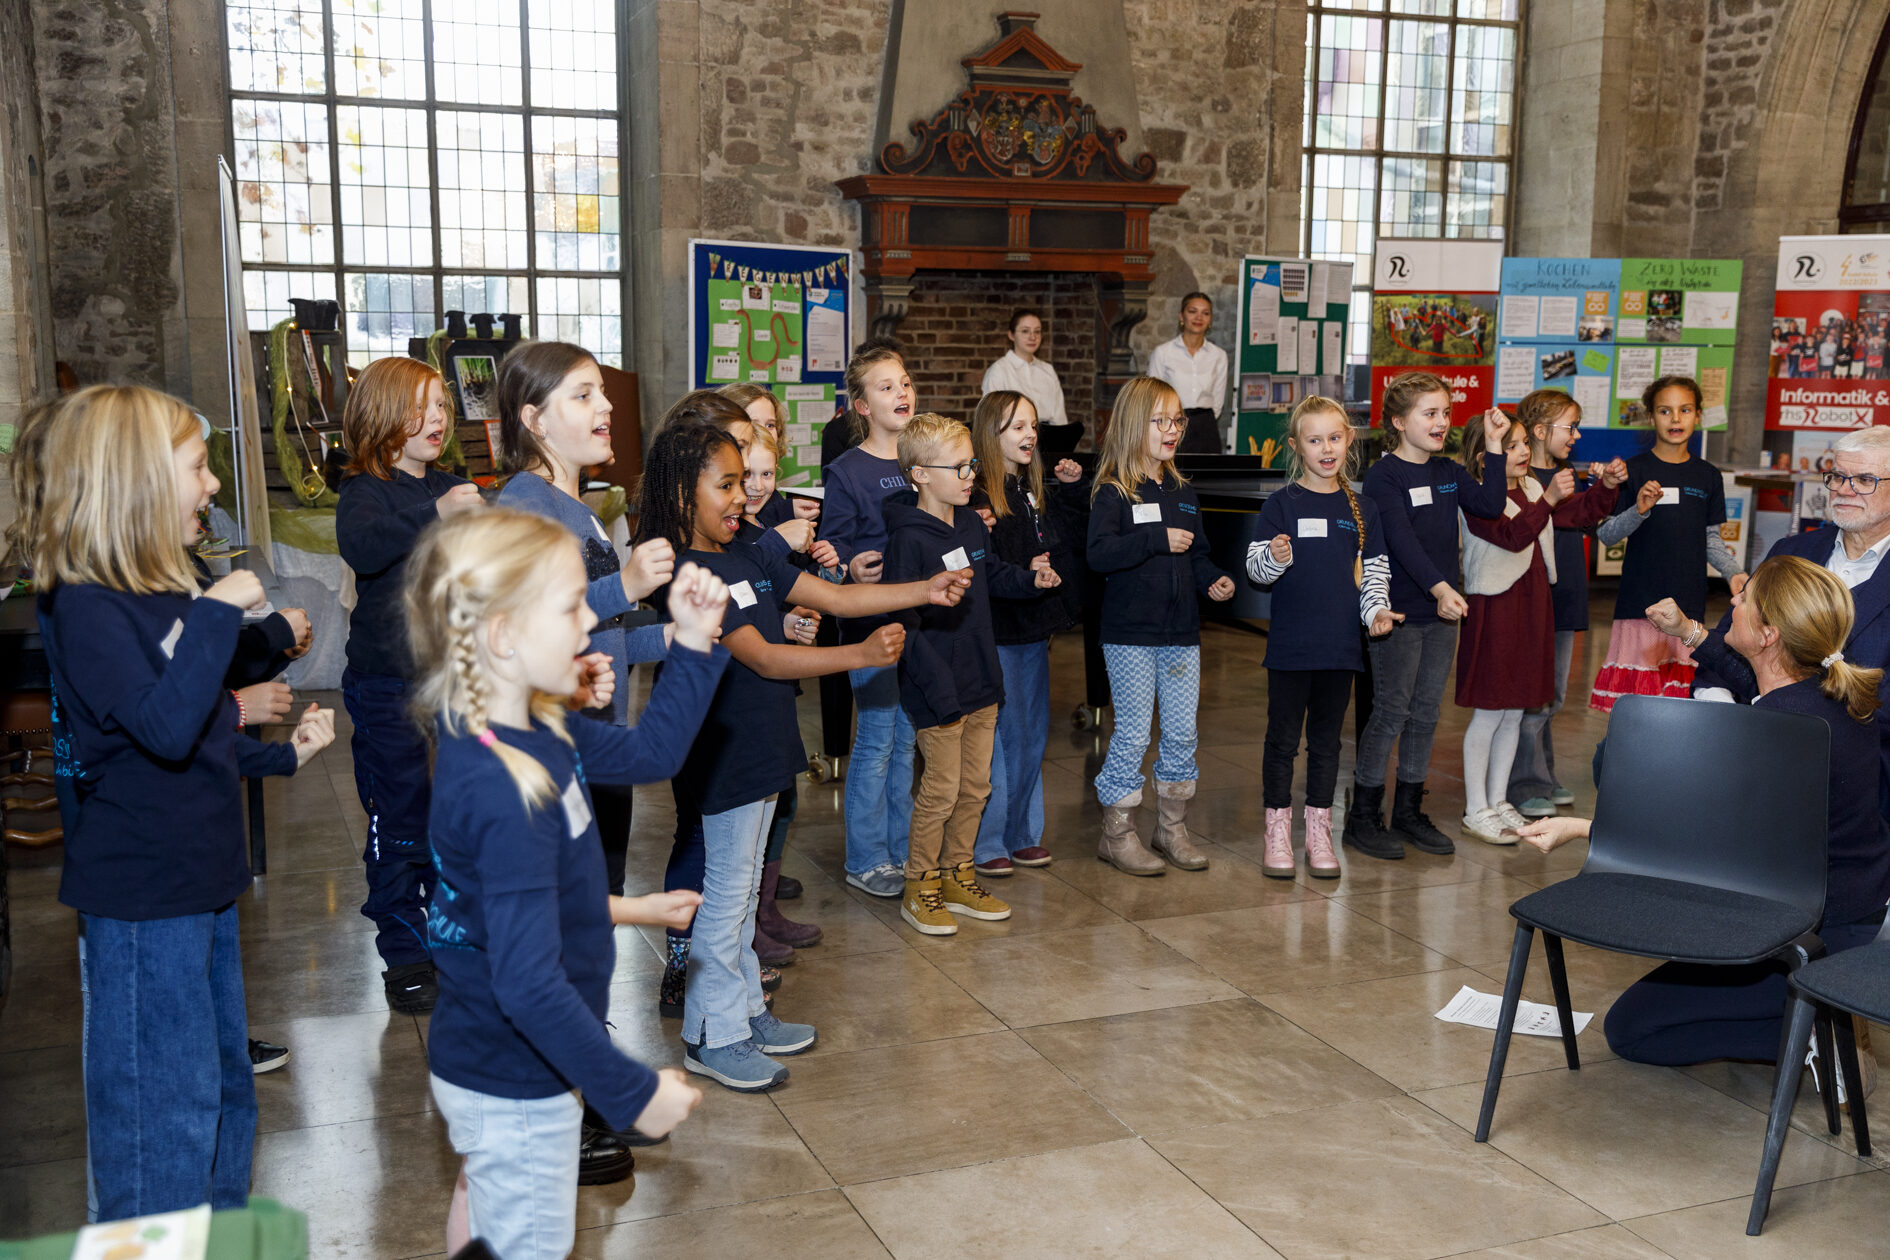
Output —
<point x="780" y="316"/>
<point x="1678" y="317"/>
<point x="1291" y="343"/>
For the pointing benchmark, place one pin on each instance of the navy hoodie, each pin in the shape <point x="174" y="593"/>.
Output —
<point x="950" y="665"/>
<point x="377" y="523"/>
<point x="1149" y="593"/>
<point x="1029" y="531"/>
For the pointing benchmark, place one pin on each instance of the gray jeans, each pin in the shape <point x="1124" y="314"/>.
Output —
<point x="1534" y="771"/>
<point x="1409" y="669"/>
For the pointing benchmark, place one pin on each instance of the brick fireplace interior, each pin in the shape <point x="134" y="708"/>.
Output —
<point x="954" y="330"/>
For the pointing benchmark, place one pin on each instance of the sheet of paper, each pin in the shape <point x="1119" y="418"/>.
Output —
<point x="805" y="393"/>
<point x="1308" y="345"/>
<point x="755" y="297"/>
<point x="725" y="336"/>
<point x="1633" y="330"/>
<point x="1515" y="369"/>
<point x="800" y="434"/>
<point x="1519" y="315"/>
<point x="1595" y="361"/>
<point x="787" y="368"/>
<point x="1558" y="317"/>
<point x="1680" y="361"/>
<point x="1263" y="313"/>
<point x="808" y="455"/>
<point x="1316" y="290"/>
<point x="1339" y="286"/>
<point x="1330" y="352"/>
<point x="826" y="339"/>
<point x="1591" y="395"/>
<point x="813" y="412"/>
<point x="1710" y="309"/>
<point x="1295" y="278"/>
<point x="725" y="367"/>
<point x="1713" y="385"/>
<point x="1288" y="357"/>
<point x="1482" y="1010"/>
<point x="1635" y="370"/>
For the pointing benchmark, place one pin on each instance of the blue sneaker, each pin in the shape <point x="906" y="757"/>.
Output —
<point x="1561" y="795"/>
<point x="772" y="1036"/>
<point x="741" y="1066"/>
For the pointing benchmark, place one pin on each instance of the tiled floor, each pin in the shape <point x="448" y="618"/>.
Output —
<point x="1212" y="1064"/>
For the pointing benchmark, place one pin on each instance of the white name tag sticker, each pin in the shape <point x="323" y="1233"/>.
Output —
<point x="577" y="810"/>
<point x="1313" y="526"/>
<point x="169" y="645"/>
<point x="743" y="594"/>
<point x="1147" y="513"/>
<point x="1670" y="496"/>
<point x="599" y="527"/>
<point x="957" y="559"/>
<point x="1420" y="496"/>
<point x="1030" y="497"/>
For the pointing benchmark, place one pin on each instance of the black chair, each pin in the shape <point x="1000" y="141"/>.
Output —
<point x="1855" y="982"/>
<point x="1708" y="846"/>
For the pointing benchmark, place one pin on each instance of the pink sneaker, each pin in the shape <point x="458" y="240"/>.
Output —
<point x="1319" y="859"/>
<point x="1279" y="862"/>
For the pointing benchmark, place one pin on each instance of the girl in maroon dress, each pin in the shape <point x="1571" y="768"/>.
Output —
<point x="1506" y="654"/>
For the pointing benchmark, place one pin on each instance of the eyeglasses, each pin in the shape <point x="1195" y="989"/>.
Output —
<point x="1168" y="423"/>
<point x="1570" y="427"/>
<point x="1862" y="483"/>
<point x="962" y="471"/>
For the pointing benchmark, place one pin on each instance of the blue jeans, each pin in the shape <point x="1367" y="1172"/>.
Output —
<point x="1013" y="817"/>
<point x="391" y="774"/>
<point x="1141" y="678"/>
<point x="521" y="1168"/>
<point x="1409" y="669"/>
<point x="723" y="985"/>
<point x="879" y="773"/>
<point x="170" y="1096"/>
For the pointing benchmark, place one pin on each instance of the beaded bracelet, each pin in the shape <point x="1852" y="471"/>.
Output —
<point x="242" y="715"/>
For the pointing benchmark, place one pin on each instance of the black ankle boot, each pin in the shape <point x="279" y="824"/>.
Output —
<point x="1364" y="828"/>
<point x="1413" y="823"/>
<point x="603" y="1158"/>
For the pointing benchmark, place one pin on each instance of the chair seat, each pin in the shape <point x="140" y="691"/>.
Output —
<point x="1857" y="980"/>
<point x="1664" y="918"/>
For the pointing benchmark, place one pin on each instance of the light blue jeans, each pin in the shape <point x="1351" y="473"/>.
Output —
<point x="521" y="1168"/>
<point x="1013" y="817"/>
<point x="1141" y="679"/>
<point x="879" y="773"/>
<point x="723" y="983"/>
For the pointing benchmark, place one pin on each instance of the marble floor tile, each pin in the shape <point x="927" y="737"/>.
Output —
<point x="42" y="1198"/>
<point x="42" y="1005"/>
<point x="42" y="1096"/>
<point x="1603" y="1242"/>
<point x="888" y="998"/>
<point x="1840" y="1217"/>
<point x="1467" y="922"/>
<point x="371" y="1188"/>
<point x="1303" y="945"/>
<point x="342" y="1068"/>
<point x="1039" y="899"/>
<point x="821" y="1224"/>
<point x="1229" y="883"/>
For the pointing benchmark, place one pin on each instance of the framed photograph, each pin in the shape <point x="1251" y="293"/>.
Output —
<point x="477" y="375"/>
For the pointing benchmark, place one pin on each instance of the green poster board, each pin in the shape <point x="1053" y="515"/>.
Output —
<point x="1291" y="342"/>
<point x="754" y="332"/>
<point x="809" y="407"/>
<point x="1677" y="317"/>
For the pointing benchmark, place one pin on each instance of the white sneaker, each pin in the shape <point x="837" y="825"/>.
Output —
<point x="1488" y="826"/>
<point x="1512" y="818"/>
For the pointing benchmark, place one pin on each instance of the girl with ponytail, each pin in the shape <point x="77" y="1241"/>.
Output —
<point x="521" y="926"/>
<point x="1325" y="564"/>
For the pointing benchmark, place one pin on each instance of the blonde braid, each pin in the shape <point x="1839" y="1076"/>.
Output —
<point x="1358" y="519"/>
<point x="533" y="780"/>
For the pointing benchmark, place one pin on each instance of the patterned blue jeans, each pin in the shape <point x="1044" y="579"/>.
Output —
<point x="1141" y="678"/>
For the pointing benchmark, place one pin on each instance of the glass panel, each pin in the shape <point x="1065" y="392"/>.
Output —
<point x="575" y="203"/>
<point x="1429" y="8"/>
<point x="482" y="190"/>
<point x="1343" y="193"/>
<point x="574" y="54"/>
<point x="585" y="311"/>
<point x="1483" y="93"/>
<point x="1312" y="53"/>
<point x="1496" y="10"/>
<point x="1360" y="333"/>
<point x="276" y="46"/>
<point x="1347" y="83"/>
<point x="1417" y="74"/>
<point x="492" y="295"/>
<point x="1374" y="5"/>
<point x="1870" y="180"/>
<point x="266" y="294"/>
<point x="386" y="205"/>
<point x="284" y="202"/>
<point x="476" y="52"/>
<point x="380" y="49"/>
<point x="1412" y="203"/>
<point x="1479" y="197"/>
<point x="381" y="312"/>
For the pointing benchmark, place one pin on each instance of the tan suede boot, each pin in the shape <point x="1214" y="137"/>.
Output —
<point x="1171" y="832"/>
<point x="1120" y="846"/>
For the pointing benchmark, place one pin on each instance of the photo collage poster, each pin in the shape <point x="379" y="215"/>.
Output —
<point x="1434" y="309"/>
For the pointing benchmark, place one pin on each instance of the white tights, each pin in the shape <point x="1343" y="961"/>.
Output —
<point x="1489" y="751"/>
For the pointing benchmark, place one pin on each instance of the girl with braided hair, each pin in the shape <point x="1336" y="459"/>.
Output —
<point x="521" y="927"/>
<point x="1325" y="564"/>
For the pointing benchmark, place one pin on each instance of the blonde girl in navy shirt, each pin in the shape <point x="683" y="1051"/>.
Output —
<point x="522" y="921"/>
<point x="1322" y="552"/>
<point x="1145" y="539"/>
<point x="156" y="857"/>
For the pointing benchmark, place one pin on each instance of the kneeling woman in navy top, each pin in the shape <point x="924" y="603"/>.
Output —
<point x="156" y="858"/>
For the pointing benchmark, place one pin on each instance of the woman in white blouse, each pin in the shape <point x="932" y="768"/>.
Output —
<point x="1197" y="368"/>
<point x="1020" y="369"/>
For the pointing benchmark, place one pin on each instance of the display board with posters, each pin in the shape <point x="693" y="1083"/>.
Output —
<point x="1291" y="342"/>
<point x="1556" y="329"/>
<point x="1829" y="366"/>
<point x="1677" y="317"/>
<point x="1434" y="308"/>
<point x="779" y="316"/>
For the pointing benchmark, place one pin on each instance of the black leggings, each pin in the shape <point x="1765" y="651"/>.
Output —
<point x="612" y="807"/>
<point x="1313" y="700"/>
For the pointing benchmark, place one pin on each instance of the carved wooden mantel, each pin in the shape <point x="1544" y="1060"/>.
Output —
<point x="1016" y="173"/>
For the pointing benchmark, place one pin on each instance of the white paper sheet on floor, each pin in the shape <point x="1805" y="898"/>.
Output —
<point x="1481" y="1010"/>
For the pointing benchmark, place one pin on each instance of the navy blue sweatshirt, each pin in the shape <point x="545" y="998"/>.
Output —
<point x="950" y="665"/>
<point x="1028" y="531"/>
<point x="153" y="751"/>
<point x="377" y="524"/>
<point x="1150" y="595"/>
<point x="1316" y="614"/>
<point x="520" y="927"/>
<point x="857" y="485"/>
<point x="1418" y="505"/>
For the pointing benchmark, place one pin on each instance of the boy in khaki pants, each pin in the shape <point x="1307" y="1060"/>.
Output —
<point x="949" y="679"/>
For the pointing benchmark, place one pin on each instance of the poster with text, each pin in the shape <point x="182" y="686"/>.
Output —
<point x="1556" y="330"/>
<point x="1291" y="341"/>
<point x="1677" y="317"/>
<point x="1830" y="324"/>
<point x="1434" y="309"/>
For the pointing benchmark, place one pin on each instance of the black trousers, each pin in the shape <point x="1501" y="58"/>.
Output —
<point x="612" y="807"/>
<point x="1203" y="434"/>
<point x="1312" y="700"/>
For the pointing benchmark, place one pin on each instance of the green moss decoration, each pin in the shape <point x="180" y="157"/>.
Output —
<point x="305" y="482"/>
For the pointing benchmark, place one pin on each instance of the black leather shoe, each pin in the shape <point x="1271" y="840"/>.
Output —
<point x="1409" y="820"/>
<point x="1364" y="829"/>
<point x="603" y="1158"/>
<point x="412" y="988"/>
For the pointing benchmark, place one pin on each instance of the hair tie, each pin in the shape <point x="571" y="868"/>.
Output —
<point x="1832" y="659"/>
<point x="487" y="738"/>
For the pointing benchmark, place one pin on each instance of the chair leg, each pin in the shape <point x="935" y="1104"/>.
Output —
<point x="1853" y="1079"/>
<point x="1827" y="1068"/>
<point x="1505" y="1025"/>
<point x="1558" y="980"/>
<point x="1798" y="1020"/>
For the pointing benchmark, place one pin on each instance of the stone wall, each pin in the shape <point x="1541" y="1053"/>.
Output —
<point x="26" y="372"/>
<point x="959" y="321"/>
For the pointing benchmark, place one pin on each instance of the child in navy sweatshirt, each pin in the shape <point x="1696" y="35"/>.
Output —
<point x="394" y="426"/>
<point x="1145" y="539"/>
<point x="155" y="857"/>
<point x="522" y="920"/>
<point x="950" y="682"/>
